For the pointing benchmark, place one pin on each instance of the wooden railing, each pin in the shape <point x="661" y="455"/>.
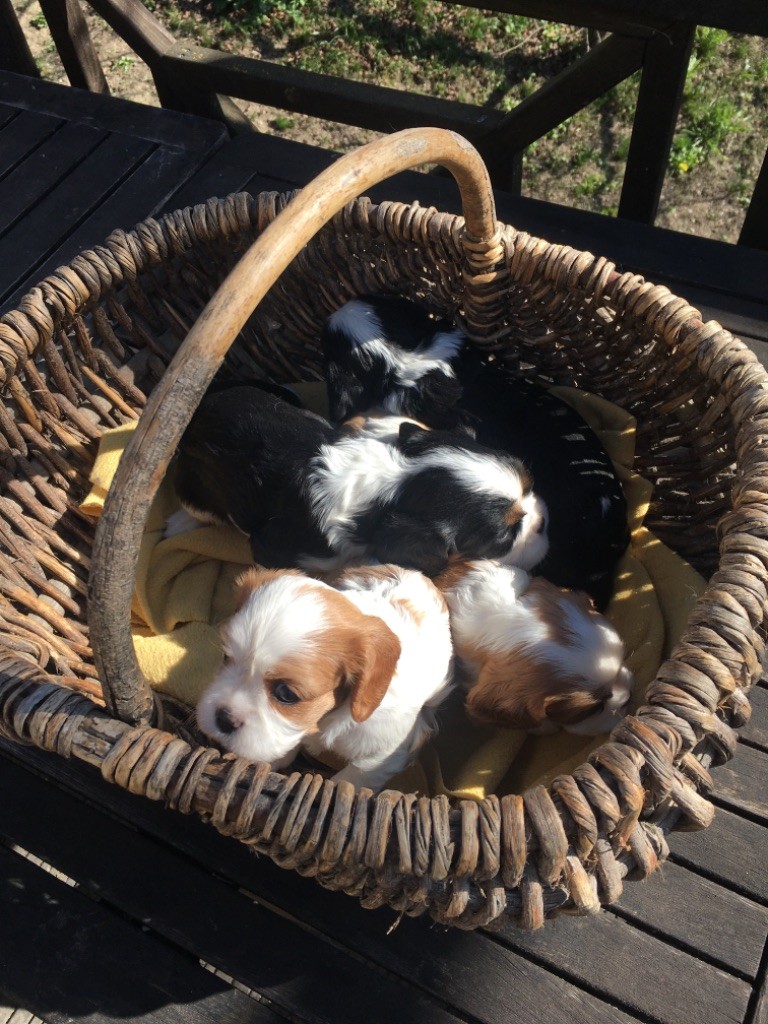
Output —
<point x="654" y="37"/>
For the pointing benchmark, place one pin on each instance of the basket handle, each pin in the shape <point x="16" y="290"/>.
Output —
<point x="174" y="400"/>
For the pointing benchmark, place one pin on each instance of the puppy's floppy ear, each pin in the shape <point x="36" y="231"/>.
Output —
<point x="409" y="430"/>
<point x="407" y="541"/>
<point x="436" y="398"/>
<point x="498" y="706"/>
<point x="378" y="657"/>
<point x="573" y="706"/>
<point x="410" y="435"/>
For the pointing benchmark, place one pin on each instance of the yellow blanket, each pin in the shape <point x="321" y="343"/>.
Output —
<point x="184" y="587"/>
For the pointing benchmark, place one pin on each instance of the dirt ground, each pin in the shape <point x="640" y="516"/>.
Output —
<point x="709" y="202"/>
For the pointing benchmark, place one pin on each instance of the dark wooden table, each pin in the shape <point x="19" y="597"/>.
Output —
<point x="113" y="908"/>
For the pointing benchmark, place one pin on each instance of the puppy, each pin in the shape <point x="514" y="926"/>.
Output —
<point x="310" y="496"/>
<point x="381" y="361"/>
<point x="533" y="656"/>
<point x="354" y="669"/>
<point x="365" y="371"/>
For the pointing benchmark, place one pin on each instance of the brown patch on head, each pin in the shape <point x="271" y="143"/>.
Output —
<point x="515" y="691"/>
<point x="550" y="600"/>
<point x="410" y="609"/>
<point x="453" y="573"/>
<point x="256" y="577"/>
<point x="352" y="655"/>
<point x="515" y="513"/>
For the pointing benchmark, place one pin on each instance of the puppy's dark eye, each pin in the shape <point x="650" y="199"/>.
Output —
<point x="284" y="693"/>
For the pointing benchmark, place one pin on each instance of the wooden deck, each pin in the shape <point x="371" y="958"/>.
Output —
<point x="114" y="908"/>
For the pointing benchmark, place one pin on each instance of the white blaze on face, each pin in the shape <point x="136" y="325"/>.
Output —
<point x="276" y="622"/>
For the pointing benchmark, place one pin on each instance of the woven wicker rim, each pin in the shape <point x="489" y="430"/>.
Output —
<point x="565" y="846"/>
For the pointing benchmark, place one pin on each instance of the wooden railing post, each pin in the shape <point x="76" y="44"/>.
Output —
<point x="754" y="231"/>
<point x="69" y="29"/>
<point x="15" y="54"/>
<point x="665" y="66"/>
<point x="589" y="77"/>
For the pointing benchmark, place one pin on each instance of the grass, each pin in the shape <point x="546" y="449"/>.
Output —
<point x="497" y="60"/>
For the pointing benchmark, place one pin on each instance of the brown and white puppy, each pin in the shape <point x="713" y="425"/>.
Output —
<point x="532" y="655"/>
<point x="353" y="669"/>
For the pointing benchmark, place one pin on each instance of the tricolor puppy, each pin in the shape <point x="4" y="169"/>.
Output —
<point x="310" y="496"/>
<point x="385" y="357"/>
<point x="531" y="655"/>
<point x="365" y="371"/>
<point x="355" y="669"/>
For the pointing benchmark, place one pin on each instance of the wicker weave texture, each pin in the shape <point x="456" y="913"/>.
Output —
<point x="84" y="349"/>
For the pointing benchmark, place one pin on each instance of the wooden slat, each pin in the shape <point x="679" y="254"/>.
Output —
<point x="28" y="243"/>
<point x="749" y="16"/>
<point x="701" y="916"/>
<point x="204" y="916"/>
<point x="342" y="919"/>
<point x="733" y="850"/>
<point x="370" y="106"/>
<point x="7" y="114"/>
<point x="22" y="135"/>
<point x="229" y="169"/>
<point x="756" y="730"/>
<point x="66" y="957"/>
<point x="467" y="971"/>
<point x="137" y="197"/>
<point x="744" y="317"/>
<point x="648" y="976"/>
<point x="15" y="1015"/>
<point x="742" y="784"/>
<point x="110" y="113"/>
<point x="32" y="178"/>
<point x="760" y="1014"/>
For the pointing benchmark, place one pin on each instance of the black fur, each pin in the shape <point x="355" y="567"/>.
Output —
<point x="588" y="530"/>
<point x="350" y="390"/>
<point x="247" y="457"/>
<point x="571" y="471"/>
<point x="243" y="458"/>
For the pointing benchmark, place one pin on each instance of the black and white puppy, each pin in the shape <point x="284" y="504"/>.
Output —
<point x="385" y="356"/>
<point x="385" y="353"/>
<point x="317" y="498"/>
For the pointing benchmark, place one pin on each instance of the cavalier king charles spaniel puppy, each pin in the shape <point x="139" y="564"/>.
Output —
<point x="355" y="669"/>
<point x="386" y="358"/>
<point x="532" y="655"/>
<point x="318" y="498"/>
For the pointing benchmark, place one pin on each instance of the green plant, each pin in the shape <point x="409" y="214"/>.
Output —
<point x="38" y="21"/>
<point x="591" y="185"/>
<point x="123" y="63"/>
<point x="281" y="123"/>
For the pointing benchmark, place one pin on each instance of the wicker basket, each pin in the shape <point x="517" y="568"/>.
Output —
<point x="83" y="349"/>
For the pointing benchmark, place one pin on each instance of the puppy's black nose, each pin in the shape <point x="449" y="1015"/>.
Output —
<point x="225" y="721"/>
